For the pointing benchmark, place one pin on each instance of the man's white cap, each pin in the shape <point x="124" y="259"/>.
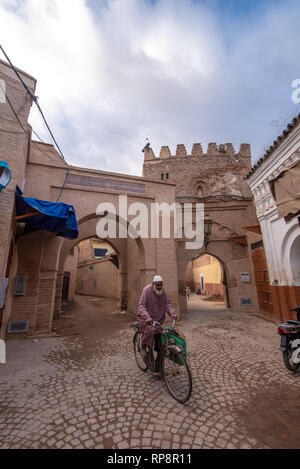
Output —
<point x="157" y="278"/>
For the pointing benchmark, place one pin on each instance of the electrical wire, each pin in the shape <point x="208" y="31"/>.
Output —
<point x="40" y="139"/>
<point x="13" y="110"/>
<point x="17" y="117"/>
<point x="35" y="100"/>
<point x="63" y="186"/>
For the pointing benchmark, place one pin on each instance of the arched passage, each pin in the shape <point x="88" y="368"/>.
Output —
<point x="91" y="296"/>
<point x="130" y="281"/>
<point x="290" y="257"/>
<point x="233" y="258"/>
<point x="295" y="261"/>
<point x="206" y="276"/>
<point x="92" y="268"/>
<point x="89" y="192"/>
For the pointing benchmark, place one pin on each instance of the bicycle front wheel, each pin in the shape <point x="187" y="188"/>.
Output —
<point x="139" y="353"/>
<point x="176" y="373"/>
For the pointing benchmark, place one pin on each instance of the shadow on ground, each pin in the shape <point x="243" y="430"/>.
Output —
<point x="89" y="315"/>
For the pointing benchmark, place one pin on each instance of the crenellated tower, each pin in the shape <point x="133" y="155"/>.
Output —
<point x="216" y="179"/>
<point x="218" y="172"/>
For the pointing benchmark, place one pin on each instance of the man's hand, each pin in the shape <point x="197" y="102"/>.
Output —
<point x="149" y="322"/>
<point x="174" y="316"/>
<point x="158" y="328"/>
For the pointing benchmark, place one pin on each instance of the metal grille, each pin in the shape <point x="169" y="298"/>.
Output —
<point x="259" y="244"/>
<point x="245" y="301"/>
<point x="99" y="252"/>
<point x="17" y="326"/>
<point x="20" y="285"/>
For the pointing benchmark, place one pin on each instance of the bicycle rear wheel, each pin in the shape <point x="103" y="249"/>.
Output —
<point x="138" y="351"/>
<point x="177" y="374"/>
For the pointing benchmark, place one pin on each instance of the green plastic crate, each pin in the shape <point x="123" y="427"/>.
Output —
<point x="175" y="339"/>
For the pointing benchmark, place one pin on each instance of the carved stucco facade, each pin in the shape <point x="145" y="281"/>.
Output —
<point x="281" y="239"/>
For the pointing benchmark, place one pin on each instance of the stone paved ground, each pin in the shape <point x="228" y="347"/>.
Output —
<point x="85" y="391"/>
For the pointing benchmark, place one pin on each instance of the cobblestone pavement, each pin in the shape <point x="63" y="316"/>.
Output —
<point x="85" y="391"/>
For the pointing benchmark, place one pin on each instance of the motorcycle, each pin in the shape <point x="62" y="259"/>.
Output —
<point x="290" y="342"/>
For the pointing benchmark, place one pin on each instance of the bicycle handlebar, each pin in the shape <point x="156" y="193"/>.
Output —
<point x="155" y="323"/>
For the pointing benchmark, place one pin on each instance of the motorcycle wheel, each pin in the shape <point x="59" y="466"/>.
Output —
<point x="287" y="359"/>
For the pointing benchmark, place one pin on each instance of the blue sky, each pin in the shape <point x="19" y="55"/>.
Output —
<point x="242" y="7"/>
<point x="112" y="73"/>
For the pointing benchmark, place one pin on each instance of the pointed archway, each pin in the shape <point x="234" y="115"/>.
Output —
<point x="131" y="280"/>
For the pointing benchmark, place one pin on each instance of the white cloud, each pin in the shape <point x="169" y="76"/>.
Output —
<point x="110" y="77"/>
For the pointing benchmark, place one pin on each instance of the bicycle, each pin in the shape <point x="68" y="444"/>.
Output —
<point x="171" y="363"/>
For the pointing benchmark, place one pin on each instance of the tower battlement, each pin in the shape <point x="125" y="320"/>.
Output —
<point x="218" y="172"/>
<point x="222" y="150"/>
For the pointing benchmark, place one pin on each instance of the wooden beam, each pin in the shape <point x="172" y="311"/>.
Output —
<point x="253" y="228"/>
<point x="239" y="239"/>
<point x="27" y="215"/>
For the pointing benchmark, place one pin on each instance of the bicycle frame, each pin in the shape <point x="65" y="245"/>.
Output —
<point x="167" y="354"/>
<point x="166" y="330"/>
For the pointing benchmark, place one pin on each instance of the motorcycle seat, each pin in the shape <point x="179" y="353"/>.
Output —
<point x="295" y="323"/>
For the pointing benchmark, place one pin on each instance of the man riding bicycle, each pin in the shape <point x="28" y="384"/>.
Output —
<point x="170" y="361"/>
<point x="153" y="306"/>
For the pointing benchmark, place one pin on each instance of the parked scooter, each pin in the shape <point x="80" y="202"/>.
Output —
<point x="290" y="342"/>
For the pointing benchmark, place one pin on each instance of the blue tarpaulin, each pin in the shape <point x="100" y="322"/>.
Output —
<point x="5" y="175"/>
<point x="55" y="217"/>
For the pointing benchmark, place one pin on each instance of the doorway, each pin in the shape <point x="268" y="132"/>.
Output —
<point x="65" y="288"/>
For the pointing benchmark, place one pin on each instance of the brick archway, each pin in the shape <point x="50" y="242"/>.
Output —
<point x="223" y="277"/>
<point x="131" y="280"/>
<point x="233" y="259"/>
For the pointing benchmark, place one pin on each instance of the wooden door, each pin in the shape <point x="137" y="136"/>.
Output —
<point x="262" y="279"/>
<point x="8" y="265"/>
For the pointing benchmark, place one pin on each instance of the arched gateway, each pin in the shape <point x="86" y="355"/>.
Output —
<point x="215" y="179"/>
<point x="38" y="258"/>
<point x="32" y="263"/>
<point x="41" y="255"/>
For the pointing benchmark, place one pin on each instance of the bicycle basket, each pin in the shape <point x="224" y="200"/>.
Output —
<point x="175" y="339"/>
